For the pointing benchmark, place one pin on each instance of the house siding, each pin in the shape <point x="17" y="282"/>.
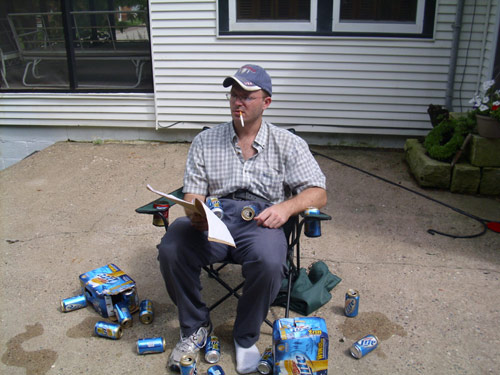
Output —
<point x="328" y="84"/>
<point x="352" y="85"/>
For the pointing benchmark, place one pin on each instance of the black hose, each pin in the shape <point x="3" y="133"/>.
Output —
<point x="483" y="222"/>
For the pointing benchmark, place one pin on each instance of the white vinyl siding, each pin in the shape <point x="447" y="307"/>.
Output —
<point x="326" y="84"/>
<point x="94" y="110"/>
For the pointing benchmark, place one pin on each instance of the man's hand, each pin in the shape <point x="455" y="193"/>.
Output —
<point x="277" y="215"/>
<point x="273" y="217"/>
<point x="197" y="221"/>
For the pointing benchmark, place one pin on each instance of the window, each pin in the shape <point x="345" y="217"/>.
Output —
<point x="400" y="18"/>
<point x="376" y="16"/>
<point x="75" y="45"/>
<point x="272" y="15"/>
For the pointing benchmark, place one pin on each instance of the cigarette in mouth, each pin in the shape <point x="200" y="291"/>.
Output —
<point x="241" y="120"/>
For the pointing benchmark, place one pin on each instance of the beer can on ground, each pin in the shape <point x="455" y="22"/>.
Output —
<point x="151" y="345"/>
<point x="214" y="204"/>
<point x="160" y="217"/>
<point x="351" y="303"/>
<point x="73" y="303"/>
<point x="215" y="370"/>
<point x="188" y="365"/>
<point x="212" y="350"/>
<point x="248" y="212"/>
<point x="108" y="330"/>
<point x="146" y="314"/>
<point x="312" y="228"/>
<point x="265" y="365"/>
<point x="123" y="315"/>
<point x="364" y="346"/>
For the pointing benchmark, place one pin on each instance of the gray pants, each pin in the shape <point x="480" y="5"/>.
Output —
<point x="261" y="252"/>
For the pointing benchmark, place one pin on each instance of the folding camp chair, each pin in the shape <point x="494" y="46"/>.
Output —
<point x="293" y="228"/>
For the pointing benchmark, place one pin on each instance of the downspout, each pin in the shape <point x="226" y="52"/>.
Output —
<point x="457" y="26"/>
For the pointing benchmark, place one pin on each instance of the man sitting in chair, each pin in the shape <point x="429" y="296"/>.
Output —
<point x="244" y="161"/>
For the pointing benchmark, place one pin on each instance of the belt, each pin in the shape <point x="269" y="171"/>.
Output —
<point x="245" y="195"/>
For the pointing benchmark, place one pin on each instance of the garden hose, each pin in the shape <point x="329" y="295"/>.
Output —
<point x="486" y="224"/>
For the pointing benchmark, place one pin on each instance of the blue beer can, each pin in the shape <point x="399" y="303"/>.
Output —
<point x="123" y="315"/>
<point x="146" y="314"/>
<point x="249" y="212"/>
<point x="151" y="345"/>
<point x="215" y="370"/>
<point x="266" y="364"/>
<point x="73" y="303"/>
<point x="364" y="346"/>
<point x="108" y="330"/>
<point x="351" y="303"/>
<point x="214" y="204"/>
<point x="188" y="365"/>
<point x="212" y="350"/>
<point x="312" y="228"/>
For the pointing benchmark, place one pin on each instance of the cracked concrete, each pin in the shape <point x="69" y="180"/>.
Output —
<point x="434" y="301"/>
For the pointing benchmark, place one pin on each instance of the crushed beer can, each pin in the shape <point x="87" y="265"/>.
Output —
<point x="73" y="303"/>
<point x="123" y="315"/>
<point x="109" y="330"/>
<point x="212" y="350"/>
<point x="215" y="370"/>
<point x="146" y="314"/>
<point x="214" y="204"/>
<point x="151" y="345"/>
<point x="364" y="346"/>
<point x="351" y="303"/>
<point x="265" y="365"/>
<point x="188" y="365"/>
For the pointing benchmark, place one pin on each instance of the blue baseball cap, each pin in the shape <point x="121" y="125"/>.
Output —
<point x="251" y="78"/>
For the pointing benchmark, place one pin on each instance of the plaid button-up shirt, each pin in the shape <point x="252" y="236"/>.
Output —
<point x="283" y="163"/>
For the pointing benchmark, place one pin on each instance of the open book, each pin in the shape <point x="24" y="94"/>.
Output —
<point x="217" y="230"/>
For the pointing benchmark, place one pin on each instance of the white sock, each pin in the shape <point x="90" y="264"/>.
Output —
<point x="247" y="359"/>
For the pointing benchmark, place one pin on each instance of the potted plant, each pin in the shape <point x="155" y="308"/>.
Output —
<point x="486" y="106"/>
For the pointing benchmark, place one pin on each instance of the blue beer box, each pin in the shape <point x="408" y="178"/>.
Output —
<point x="106" y="286"/>
<point x="300" y="346"/>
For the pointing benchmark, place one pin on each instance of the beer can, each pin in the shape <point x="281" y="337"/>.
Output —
<point x="146" y="314"/>
<point x="160" y="217"/>
<point x="351" y="303"/>
<point x="312" y="228"/>
<point x="131" y="300"/>
<point x="364" y="346"/>
<point x="215" y="370"/>
<point x="188" y="365"/>
<point x="123" y="315"/>
<point x="108" y="330"/>
<point x="212" y="350"/>
<point x="151" y="345"/>
<point x="265" y="365"/>
<point x="73" y="303"/>
<point x="214" y="204"/>
<point x="248" y="212"/>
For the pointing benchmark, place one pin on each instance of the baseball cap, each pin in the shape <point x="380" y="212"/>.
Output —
<point x="251" y="78"/>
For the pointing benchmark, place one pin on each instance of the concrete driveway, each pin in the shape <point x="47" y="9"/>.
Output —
<point x="433" y="301"/>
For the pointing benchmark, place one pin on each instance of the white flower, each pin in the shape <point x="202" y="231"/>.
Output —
<point x="486" y="99"/>
<point x="487" y="85"/>
<point x="483" y="108"/>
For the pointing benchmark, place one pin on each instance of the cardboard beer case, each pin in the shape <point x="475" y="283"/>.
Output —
<point x="106" y="286"/>
<point x="300" y="346"/>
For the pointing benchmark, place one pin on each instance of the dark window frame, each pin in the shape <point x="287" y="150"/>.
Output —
<point x="71" y="62"/>
<point x="324" y="23"/>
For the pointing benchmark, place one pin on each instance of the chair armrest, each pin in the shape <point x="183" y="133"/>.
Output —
<point x="312" y="216"/>
<point x="150" y="209"/>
